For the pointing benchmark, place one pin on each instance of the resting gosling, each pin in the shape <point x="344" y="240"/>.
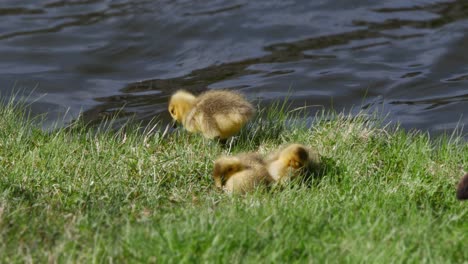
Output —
<point x="216" y="114"/>
<point x="240" y="174"/>
<point x="291" y="161"/>
<point x="462" y="190"/>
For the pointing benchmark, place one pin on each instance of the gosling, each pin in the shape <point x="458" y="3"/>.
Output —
<point x="215" y="114"/>
<point x="462" y="190"/>
<point x="291" y="162"/>
<point x="240" y="174"/>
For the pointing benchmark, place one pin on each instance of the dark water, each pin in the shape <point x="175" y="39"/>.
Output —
<point x="407" y="57"/>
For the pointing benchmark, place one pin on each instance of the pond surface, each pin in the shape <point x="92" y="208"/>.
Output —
<point x="408" y="58"/>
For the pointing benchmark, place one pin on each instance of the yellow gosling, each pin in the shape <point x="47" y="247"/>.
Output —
<point x="240" y="174"/>
<point x="215" y="114"/>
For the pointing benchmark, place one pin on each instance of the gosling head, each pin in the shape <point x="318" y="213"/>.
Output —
<point x="296" y="156"/>
<point x="224" y="168"/>
<point x="180" y="105"/>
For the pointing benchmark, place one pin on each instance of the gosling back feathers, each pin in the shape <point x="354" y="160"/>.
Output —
<point x="241" y="173"/>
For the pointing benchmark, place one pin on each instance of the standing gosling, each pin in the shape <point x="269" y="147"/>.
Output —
<point x="462" y="190"/>
<point x="216" y="114"/>
<point x="240" y="174"/>
<point x="291" y="161"/>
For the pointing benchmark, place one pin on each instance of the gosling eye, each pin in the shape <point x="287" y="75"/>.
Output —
<point x="172" y="111"/>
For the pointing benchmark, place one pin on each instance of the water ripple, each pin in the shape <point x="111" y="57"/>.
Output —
<point x="127" y="57"/>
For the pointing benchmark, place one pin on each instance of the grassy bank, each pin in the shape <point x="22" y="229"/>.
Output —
<point x="141" y="196"/>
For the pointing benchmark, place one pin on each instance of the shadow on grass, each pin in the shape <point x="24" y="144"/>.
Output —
<point x="317" y="171"/>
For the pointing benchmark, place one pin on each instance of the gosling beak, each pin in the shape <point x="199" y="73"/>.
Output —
<point x="174" y="124"/>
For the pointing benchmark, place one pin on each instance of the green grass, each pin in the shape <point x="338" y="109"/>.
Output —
<point x="81" y="195"/>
